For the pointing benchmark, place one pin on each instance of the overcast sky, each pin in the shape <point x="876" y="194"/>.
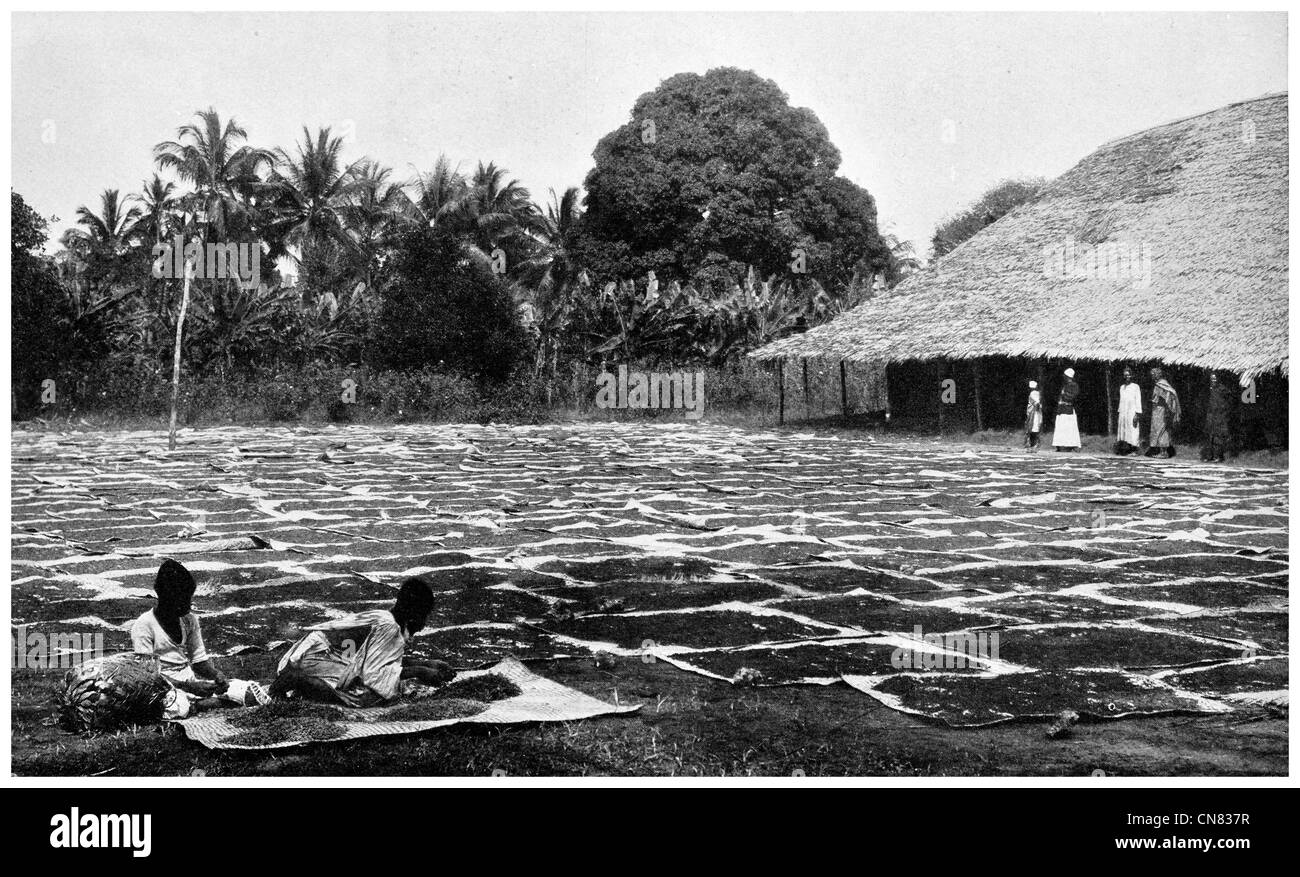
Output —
<point x="1026" y="94"/>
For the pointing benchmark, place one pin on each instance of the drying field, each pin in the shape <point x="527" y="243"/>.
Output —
<point x="772" y="599"/>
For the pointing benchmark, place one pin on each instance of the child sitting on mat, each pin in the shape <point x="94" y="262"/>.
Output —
<point x="170" y="632"/>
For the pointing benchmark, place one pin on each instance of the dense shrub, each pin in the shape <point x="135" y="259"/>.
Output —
<point x="440" y="305"/>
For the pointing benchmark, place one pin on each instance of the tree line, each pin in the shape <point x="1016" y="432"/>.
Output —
<point x="712" y="222"/>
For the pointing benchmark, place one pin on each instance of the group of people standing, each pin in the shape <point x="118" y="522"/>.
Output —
<point x="1165" y="411"/>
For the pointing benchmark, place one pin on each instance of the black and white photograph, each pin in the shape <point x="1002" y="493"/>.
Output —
<point x="610" y="396"/>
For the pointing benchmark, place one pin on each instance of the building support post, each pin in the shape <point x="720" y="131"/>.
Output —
<point x="979" y="413"/>
<point x="942" y="405"/>
<point x="844" y="391"/>
<point x="807" y="403"/>
<point x="1110" y="404"/>
<point x="780" y="390"/>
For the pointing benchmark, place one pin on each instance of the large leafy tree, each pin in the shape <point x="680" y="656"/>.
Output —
<point x="716" y="173"/>
<point x="50" y="338"/>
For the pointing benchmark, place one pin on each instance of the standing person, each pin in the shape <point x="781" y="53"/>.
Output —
<point x="1130" y="413"/>
<point x="1218" y="411"/>
<point x="1033" y="417"/>
<point x="1165" y="414"/>
<point x="1065" y="432"/>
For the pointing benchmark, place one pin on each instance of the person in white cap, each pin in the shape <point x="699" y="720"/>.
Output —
<point x="1065" y="432"/>
<point x="1033" y="417"/>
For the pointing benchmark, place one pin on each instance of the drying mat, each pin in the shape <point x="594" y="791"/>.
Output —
<point x="541" y="700"/>
<point x="975" y="700"/>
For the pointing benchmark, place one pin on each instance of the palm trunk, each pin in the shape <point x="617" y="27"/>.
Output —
<point x="176" y="355"/>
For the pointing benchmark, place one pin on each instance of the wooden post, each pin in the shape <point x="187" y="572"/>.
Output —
<point x="889" y="405"/>
<point x="942" y="406"/>
<point x="979" y="414"/>
<point x="1110" y="405"/>
<point x="780" y="389"/>
<point x="844" y="391"/>
<point x="807" y="403"/>
<point x="176" y="354"/>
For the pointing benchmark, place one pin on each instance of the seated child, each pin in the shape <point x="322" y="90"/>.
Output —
<point x="170" y="632"/>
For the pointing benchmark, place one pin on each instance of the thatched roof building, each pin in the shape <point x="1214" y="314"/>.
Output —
<point x="1169" y="245"/>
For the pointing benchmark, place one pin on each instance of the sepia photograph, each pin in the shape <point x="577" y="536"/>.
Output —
<point x="599" y="397"/>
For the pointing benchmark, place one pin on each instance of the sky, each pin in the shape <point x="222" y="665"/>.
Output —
<point x="928" y="110"/>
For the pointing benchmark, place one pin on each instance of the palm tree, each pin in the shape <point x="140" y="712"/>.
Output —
<point x="224" y="173"/>
<point x="310" y="190"/>
<point x="495" y="211"/>
<point x="439" y="196"/>
<point x="547" y="279"/>
<point x="158" y="218"/>
<point x="903" y="259"/>
<point x="109" y="231"/>
<point x="158" y="206"/>
<point x="98" y="251"/>
<point x="371" y="214"/>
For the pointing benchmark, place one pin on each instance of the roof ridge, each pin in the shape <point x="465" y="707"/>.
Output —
<point x="1263" y="97"/>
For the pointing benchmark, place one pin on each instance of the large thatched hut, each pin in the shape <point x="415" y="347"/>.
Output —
<point x="1168" y="246"/>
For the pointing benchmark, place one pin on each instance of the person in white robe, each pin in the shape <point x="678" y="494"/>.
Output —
<point x="1065" y="432"/>
<point x="1128" y="437"/>
<point x="1033" y="417"/>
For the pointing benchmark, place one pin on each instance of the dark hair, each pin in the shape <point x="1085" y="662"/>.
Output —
<point x="173" y="582"/>
<point x="414" y="602"/>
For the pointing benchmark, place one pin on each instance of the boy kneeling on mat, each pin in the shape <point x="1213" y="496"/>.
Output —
<point x="358" y="660"/>
<point x="170" y="632"/>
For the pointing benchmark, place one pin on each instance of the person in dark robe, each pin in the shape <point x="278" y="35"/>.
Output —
<point x="1218" y="431"/>
<point x="1166" y="412"/>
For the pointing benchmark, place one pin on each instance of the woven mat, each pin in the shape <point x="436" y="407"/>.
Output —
<point x="540" y="700"/>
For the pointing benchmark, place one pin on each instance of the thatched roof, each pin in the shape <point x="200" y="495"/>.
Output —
<point x="1201" y="201"/>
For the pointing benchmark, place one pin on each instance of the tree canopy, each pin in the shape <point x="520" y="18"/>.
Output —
<point x="717" y="173"/>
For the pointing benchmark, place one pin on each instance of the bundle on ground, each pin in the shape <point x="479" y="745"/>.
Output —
<point x="109" y="693"/>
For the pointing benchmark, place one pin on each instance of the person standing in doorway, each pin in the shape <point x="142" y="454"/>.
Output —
<point x="1065" y="432"/>
<point x="1218" y="410"/>
<point x="1033" y="417"/>
<point x="1130" y="413"/>
<point x="1165" y="415"/>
